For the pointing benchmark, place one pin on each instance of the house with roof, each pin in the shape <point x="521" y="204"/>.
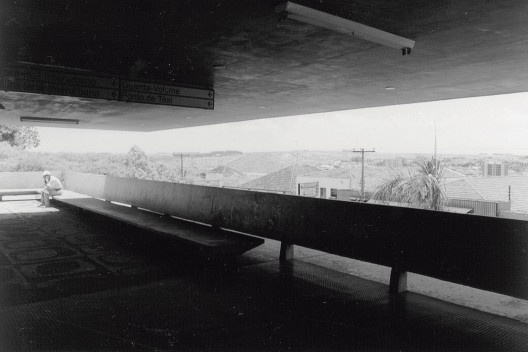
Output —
<point x="220" y="176"/>
<point x="281" y="181"/>
<point x="509" y="193"/>
<point x="342" y="183"/>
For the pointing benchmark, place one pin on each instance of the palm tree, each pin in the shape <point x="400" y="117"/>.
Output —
<point x="422" y="189"/>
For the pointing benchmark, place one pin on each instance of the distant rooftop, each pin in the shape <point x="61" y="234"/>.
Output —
<point x="374" y="175"/>
<point x="492" y="189"/>
<point x="225" y="171"/>
<point x="451" y="174"/>
<point x="280" y="181"/>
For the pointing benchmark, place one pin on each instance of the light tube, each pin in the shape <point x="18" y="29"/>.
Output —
<point x="48" y="120"/>
<point x="338" y="24"/>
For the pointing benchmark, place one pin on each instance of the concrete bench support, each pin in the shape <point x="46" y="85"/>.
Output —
<point x="398" y="281"/>
<point x="286" y="252"/>
<point x="18" y="192"/>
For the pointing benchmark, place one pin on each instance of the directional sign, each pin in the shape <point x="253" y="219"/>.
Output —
<point x="48" y="76"/>
<point x="30" y="80"/>
<point x="59" y="89"/>
<point x="154" y="88"/>
<point x="148" y="98"/>
<point x="163" y="94"/>
<point x="42" y="80"/>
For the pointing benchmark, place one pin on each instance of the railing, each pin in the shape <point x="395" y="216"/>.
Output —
<point x="482" y="252"/>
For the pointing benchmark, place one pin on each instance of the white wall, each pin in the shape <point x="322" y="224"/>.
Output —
<point x="325" y="182"/>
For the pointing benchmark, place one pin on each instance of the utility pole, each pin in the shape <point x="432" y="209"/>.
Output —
<point x="435" y="141"/>
<point x="363" y="151"/>
<point x="181" y="165"/>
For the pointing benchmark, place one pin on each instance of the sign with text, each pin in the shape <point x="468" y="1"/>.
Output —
<point x="52" y="82"/>
<point x="22" y="79"/>
<point x="164" y="89"/>
<point x="162" y="94"/>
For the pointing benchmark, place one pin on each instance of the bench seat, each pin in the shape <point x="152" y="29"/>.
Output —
<point x="19" y="192"/>
<point x="208" y="241"/>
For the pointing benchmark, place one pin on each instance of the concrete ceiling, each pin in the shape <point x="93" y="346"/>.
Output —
<point x="259" y="66"/>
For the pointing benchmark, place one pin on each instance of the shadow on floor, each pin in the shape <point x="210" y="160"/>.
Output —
<point x="78" y="282"/>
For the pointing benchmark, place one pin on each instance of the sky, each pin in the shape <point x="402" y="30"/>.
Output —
<point x="493" y="124"/>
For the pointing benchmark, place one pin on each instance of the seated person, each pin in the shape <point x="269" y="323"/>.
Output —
<point x="53" y="187"/>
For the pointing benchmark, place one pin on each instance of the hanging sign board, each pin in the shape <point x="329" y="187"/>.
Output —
<point x="162" y="94"/>
<point x="52" y="82"/>
<point x="28" y="80"/>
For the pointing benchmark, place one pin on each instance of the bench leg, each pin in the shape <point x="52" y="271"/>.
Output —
<point x="398" y="281"/>
<point x="286" y="252"/>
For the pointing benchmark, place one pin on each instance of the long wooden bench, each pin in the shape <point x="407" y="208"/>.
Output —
<point x="207" y="241"/>
<point x="18" y="192"/>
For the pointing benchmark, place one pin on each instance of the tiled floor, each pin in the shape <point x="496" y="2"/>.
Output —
<point x="49" y="253"/>
<point x="70" y="281"/>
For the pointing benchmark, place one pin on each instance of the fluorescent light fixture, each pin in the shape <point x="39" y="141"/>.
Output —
<point x="48" y="120"/>
<point x="338" y="24"/>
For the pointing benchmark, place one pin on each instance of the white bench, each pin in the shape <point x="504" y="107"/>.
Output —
<point x="18" y="192"/>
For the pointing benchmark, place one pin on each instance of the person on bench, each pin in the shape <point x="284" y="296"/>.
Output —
<point x="53" y="187"/>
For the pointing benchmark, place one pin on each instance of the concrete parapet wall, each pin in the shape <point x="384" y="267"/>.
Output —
<point x="90" y="184"/>
<point x="187" y="201"/>
<point x="23" y="180"/>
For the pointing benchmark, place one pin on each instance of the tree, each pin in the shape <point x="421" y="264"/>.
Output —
<point x="421" y="189"/>
<point x="24" y="137"/>
<point x="137" y="164"/>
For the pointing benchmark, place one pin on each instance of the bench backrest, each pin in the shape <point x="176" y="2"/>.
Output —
<point x="483" y="252"/>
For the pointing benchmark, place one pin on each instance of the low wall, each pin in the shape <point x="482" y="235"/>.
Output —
<point x="23" y="180"/>
<point x="90" y="184"/>
<point x="511" y="215"/>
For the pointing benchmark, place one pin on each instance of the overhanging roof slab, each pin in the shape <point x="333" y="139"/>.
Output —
<point x="259" y="66"/>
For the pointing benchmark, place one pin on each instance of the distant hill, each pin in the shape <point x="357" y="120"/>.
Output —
<point x="210" y="154"/>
